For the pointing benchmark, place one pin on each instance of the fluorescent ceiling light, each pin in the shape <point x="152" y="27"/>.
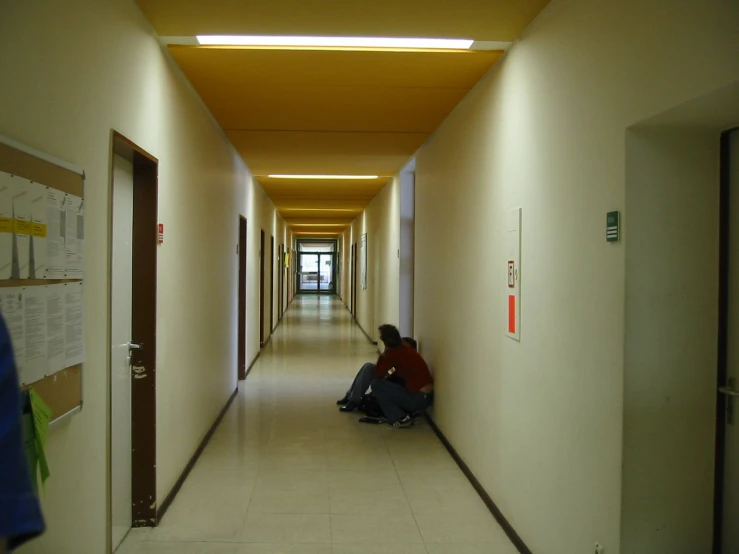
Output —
<point x="318" y="224"/>
<point x="336" y="42"/>
<point x="320" y="209"/>
<point x="342" y="177"/>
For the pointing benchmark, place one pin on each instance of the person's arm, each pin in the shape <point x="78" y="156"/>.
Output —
<point x="384" y="363"/>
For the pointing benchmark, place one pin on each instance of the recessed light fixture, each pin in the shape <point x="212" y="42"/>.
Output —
<point x="321" y="210"/>
<point x="340" y="177"/>
<point x="335" y="42"/>
<point x="318" y="224"/>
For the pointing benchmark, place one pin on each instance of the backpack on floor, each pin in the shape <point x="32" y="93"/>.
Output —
<point x="370" y="406"/>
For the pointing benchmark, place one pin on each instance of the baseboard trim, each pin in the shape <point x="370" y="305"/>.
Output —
<point x="164" y="506"/>
<point x="355" y="320"/>
<point x="497" y="514"/>
<point x="251" y="365"/>
<point x="365" y="333"/>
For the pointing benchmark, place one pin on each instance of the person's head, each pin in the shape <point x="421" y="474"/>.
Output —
<point x="410" y="341"/>
<point x="390" y="335"/>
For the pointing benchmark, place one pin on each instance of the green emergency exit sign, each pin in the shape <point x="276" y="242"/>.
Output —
<point x="613" y="224"/>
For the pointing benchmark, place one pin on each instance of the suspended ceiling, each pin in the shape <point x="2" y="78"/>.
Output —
<point x="328" y="111"/>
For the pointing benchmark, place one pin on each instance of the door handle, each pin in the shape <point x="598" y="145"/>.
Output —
<point x="728" y="391"/>
<point x="134" y="346"/>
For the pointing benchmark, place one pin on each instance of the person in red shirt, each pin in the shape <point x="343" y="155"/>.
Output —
<point x="353" y="397"/>
<point x="401" y="361"/>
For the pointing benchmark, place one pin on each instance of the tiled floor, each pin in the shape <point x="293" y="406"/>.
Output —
<point x="286" y="473"/>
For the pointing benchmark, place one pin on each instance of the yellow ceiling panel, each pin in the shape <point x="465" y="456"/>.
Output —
<point x="328" y="209"/>
<point x="319" y="221"/>
<point x="388" y="110"/>
<point x="291" y="153"/>
<point x="243" y="69"/>
<point x="497" y="20"/>
<point x="308" y="188"/>
<point x="310" y="233"/>
<point x="309" y="207"/>
<point x="331" y="91"/>
<point x="331" y="111"/>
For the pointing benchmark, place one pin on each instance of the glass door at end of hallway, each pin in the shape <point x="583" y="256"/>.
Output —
<point x="316" y="273"/>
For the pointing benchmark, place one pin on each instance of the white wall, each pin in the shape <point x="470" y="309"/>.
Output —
<point x="346" y="268"/>
<point x="262" y="216"/>
<point x="672" y="200"/>
<point x="379" y="302"/>
<point x="72" y="72"/>
<point x="540" y="422"/>
<point x="273" y="226"/>
<point x="407" y="242"/>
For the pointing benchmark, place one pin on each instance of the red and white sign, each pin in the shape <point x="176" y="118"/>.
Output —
<point x="160" y="233"/>
<point x="513" y="263"/>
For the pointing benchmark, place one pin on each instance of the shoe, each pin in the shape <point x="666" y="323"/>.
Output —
<point x="375" y="420"/>
<point x="403" y="422"/>
<point x="350" y="407"/>
<point x="343" y="401"/>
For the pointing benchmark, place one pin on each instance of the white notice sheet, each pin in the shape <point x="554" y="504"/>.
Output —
<point x="11" y="306"/>
<point x="39" y="223"/>
<point x="56" y="332"/>
<point x="56" y="230"/>
<point x="21" y="190"/>
<point x="6" y="226"/>
<point x="74" y="240"/>
<point x="35" y="312"/>
<point x="75" y="344"/>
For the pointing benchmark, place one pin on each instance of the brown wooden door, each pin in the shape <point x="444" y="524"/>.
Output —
<point x="271" y="285"/>
<point x="351" y="279"/>
<point x="354" y="282"/>
<point x="279" y="283"/>
<point x="143" y="336"/>
<point x="261" y="289"/>
<point x="242" y="298"/>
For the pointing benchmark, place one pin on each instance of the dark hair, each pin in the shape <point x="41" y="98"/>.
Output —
<point x="410" y="341"/>
<point x="390" y="335"/>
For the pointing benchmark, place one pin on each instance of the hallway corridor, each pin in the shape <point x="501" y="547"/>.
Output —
<point x="287" y="473"/>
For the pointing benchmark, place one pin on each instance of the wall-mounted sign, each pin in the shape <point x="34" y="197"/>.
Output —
<point x="613" y="224"/>
<point x="513" y="268"/>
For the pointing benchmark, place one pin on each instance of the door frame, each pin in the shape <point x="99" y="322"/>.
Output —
<point x="280" y="276"/>
<point x="294" y="273"/>
<point x="272" y="284"/>
<point x="351" y="279"/>
<point x="144" y="301"/>
<point x="354" y="282"/>
<point x="242" y="251"/>
<point x="723" y="336"/>
<point x="262" y="343"/>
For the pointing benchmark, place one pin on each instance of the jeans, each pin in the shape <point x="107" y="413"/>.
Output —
<point x="361" y="383"/>
<point x="396" y="401"/>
